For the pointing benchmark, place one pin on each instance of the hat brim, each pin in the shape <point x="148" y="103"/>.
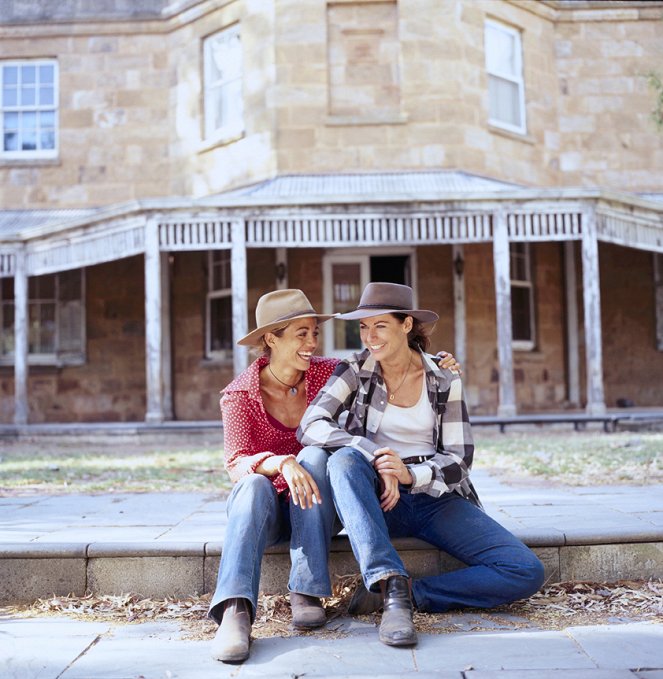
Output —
<point x="422" y="315"/>
<point x="253" y="338"/>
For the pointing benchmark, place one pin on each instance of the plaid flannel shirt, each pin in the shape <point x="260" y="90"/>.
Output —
<point x="357" y="388"/>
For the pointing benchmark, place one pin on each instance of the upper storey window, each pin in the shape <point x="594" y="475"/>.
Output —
<point x="224" y="106"/>
<point x="29" y="109"/>
<point x="504" y="65"/>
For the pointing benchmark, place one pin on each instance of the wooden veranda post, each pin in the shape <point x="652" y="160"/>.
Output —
<point x="239" y="293"/>
<point x="20" y="338"/>
<point x="507" y="397"/>
<point x="591" y="290"/>
<point x="153" y="324"/>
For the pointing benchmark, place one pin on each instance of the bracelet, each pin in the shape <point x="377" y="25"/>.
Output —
<point x="283" y="461"/>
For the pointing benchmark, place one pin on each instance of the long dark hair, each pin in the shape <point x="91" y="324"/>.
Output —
<point x="418" y="337"/>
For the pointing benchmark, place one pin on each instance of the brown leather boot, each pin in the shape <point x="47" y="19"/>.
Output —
<point x="231" y="642"/>
<point x="364" y="602"/>
<point x="307" y="611"/>
<point x="397" y="627"/>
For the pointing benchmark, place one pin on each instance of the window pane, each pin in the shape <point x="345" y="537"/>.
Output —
<point x="521" y="313"/>
<point x="346" y="287"/>
<point x="221" y="332"/>
<point x="42" y="287"/>
<point x="519" y="262"/>
<point x="7" y="335"/>
<point x="9" y="96"/>
<point x="41" y="334"/>
<point x="28" y="75"/>
<point x="221" y="270"/>
<point x="46" y="96"/>
<point x="6" y="289"/>
<point x="46" y="119"/>
<point x="500" y="51"/>
<point x="503" y="101"/>
<point x="10" y="141"/>
<point x="46" y="74"/>
<point x="28" y="96"/>
<point x="10" y="75"/>
<point x="47" y="139"/>
<point x="11" y="121"/>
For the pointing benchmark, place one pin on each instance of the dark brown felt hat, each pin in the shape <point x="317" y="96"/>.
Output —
<point x="388" y="298"/>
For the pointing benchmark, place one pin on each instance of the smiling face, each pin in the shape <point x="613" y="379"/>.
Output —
<point x="385" y="336"/>
<point x="297" y="343"/>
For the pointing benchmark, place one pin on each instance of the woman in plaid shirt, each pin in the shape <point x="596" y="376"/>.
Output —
<point x="400" y="468"/>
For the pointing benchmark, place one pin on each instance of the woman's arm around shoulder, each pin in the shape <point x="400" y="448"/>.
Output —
<point x="320" y="424"/>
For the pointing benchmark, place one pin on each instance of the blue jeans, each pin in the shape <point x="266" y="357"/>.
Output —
<point x="500" y="568"/>
<point x="258" y="518"/>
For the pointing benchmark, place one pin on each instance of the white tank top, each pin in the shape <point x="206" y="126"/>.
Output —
<point x="408" y="431"/>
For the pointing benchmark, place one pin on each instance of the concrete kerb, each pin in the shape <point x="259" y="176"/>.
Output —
<point x="181" y="569"/>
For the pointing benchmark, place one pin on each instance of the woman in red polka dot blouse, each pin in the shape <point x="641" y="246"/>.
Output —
<point x="281" y="492"/>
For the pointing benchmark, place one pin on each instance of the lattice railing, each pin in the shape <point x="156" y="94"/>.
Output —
<point x="366" y="229"/>
<point x="7" y="264"/>
<point x="544" y="226"/>
<point x="86" y="249"/>
<point x="194" y="234"/>
<point x="629" y="229"/>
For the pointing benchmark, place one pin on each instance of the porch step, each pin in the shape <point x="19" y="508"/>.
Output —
<point x="32" y="571"/>
<point x="169" y="544"/>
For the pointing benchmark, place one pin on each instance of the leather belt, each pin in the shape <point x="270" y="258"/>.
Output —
<point x="417" y="459"/>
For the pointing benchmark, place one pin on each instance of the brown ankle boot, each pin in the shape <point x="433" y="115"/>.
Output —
<point x="231" y="642"/>
<point x="397" y="627"/>
<point x="307" y="611"/>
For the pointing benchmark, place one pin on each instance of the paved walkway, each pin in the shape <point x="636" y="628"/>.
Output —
<point x="58" y="648"/>
<point x="624" y="518"/>
<point x="561" y="515"/>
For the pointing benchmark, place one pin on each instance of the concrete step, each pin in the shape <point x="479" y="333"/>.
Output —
<point x="181" y="569"/>
<point x="169" y="544"/>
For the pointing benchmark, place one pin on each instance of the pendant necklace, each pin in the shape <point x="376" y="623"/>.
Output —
<point x="393" y="393"/>
<point x="292" y="388"/>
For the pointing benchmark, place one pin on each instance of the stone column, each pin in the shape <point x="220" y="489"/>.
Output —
<point x="460" y="326"/>
<point x="239" y="294"/>
<point x="153" y="324"/>
<point x="572" y="341"/>
<point x="21" y="339"/>
<point x="501" y="262"/>
<point x="592" y="301"/>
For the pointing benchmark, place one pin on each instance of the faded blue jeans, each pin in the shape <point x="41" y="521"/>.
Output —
<point x="258" y="518"/>
<point x="500" y="568"/>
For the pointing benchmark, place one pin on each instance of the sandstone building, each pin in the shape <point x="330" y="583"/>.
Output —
<point x="163" y="163"/>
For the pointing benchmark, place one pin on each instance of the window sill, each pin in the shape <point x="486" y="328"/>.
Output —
<point x="216" y="361"/>
<point x="510" y="134"/>
<point x="28" y="162"/>
<point x="223" y="140"/>
<point x="339" y="121"/>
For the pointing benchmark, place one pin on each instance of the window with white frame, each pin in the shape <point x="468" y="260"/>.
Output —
<point x="224" y="105"/>
<point x="219" y="315"/>
<point x="29" y="108"/>
<point x="345" y="275"/>
<point x="506" y="88"/>
<point x="658" y="292"/>
<point x="522" y="297"/>
<point x="56" y="319"/>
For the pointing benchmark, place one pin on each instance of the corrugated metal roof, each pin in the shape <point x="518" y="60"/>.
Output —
<point x="384" y="183"/>
<point x="14" y="221"/>
<point x="652" y="196"/>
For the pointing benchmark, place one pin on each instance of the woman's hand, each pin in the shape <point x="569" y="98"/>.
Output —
<point x="391" y="494"/>
<point x="303" y="489"/>
<point x="388" y="463"/>
<point x="449" y="362"/>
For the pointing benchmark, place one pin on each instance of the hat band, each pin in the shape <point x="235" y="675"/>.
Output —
<point x="293" y="314"/>
<point x="381" y="306"/>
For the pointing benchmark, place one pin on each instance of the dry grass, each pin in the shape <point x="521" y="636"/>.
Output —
<point x="555" y="607"/>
